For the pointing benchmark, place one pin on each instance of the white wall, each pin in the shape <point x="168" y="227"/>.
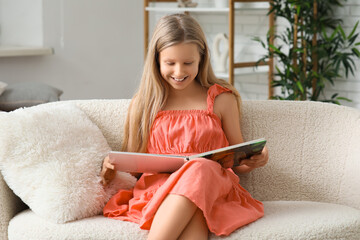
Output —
<point x="21" y="15"/>
<point x="98" y="49"/>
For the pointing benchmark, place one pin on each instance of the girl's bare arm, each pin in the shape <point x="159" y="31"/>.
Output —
<point x="226" y="108"/>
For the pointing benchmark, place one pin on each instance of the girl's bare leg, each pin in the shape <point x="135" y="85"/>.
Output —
<point x="197" y="228"/>
<point x="172" y="217"/>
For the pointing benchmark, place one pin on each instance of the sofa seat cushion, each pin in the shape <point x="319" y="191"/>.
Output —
<point x="282" y="220"/>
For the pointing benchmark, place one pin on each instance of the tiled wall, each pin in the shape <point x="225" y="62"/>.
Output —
<point x="250" y="23"/>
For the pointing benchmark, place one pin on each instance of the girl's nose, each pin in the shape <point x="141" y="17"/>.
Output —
<point x="178" y="70"/>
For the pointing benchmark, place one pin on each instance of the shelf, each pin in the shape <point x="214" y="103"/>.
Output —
<point x="244" y="71"/>
<point x="177" y="9"/>
<point x="17" y="51"/>
<point x="238" y="6"/>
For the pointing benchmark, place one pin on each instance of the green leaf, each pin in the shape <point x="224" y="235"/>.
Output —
<point x="353" y="31"/>
<point x="274" y="48"/>
<point x="263" y="44"/>
<point x="356" y="52"/>
<point x="344" y="99"/>
<point x="277" y="69"/>
<point x="342" y="32"/>
<point x="315" y="74"/>
<point x="324" y="34"/>
<point x="333" y="35"/>
<point x="352" y="39"/>
<point x="299" y="85"/>
<point x="334" y="95"/>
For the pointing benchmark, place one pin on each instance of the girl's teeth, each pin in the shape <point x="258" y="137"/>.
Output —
<point x="179" y="79"/>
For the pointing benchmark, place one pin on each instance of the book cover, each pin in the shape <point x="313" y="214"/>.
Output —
<point x="238" y="152"/>
<point x="144" y="162"/>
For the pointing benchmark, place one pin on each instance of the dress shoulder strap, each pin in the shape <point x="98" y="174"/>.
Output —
<point x="214" y="91"/>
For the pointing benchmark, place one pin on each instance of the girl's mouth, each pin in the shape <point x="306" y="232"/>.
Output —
<point x="179" y="79"/>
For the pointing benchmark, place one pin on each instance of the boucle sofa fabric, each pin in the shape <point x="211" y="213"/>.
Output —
<point x="310" y="186"/>
<point x="311" y="145"/>
<point x="314" y="151"/>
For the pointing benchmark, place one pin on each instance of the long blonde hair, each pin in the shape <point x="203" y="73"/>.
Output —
<point x="153" y="90"/>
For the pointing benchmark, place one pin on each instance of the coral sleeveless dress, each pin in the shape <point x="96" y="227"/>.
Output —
<point x="216" y="191"/>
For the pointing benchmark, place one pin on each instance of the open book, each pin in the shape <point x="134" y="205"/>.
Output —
<point x="145" y="162"/>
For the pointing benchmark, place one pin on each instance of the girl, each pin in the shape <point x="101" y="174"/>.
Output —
<point x="182" y="108"/>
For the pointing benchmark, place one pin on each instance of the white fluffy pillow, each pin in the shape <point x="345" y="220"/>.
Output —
<point x="50" y="156"/>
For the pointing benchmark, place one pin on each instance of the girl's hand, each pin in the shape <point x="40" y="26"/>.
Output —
<point x="226" y="162"/>
<point x="256" y="161"/>
<point x="107" y="172"/>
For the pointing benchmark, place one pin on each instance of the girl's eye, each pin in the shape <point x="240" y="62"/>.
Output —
<point x="188" y="63"/>
<point x="170" y="63"/>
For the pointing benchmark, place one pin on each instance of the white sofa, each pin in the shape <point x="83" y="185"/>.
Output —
<point x="310" y="187"/>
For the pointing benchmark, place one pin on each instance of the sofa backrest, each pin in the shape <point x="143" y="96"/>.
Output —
<point x="108" y="115"/>
<point x="314" y="147"/>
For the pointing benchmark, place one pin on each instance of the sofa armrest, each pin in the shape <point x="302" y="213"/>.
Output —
<point x="313" y="147"/>
<point x="10" y="205"/>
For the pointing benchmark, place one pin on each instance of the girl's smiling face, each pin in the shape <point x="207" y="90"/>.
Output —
<point x="179" y="64"/>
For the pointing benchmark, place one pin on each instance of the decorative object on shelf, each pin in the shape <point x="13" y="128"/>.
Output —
<point x="2" y="87"/>
<point x="186" y="3"/>
<point x="312" y="51"/>
<point x="220" y="56"/>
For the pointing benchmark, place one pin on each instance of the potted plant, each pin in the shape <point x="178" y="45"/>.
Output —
<point x="312" y="50"/>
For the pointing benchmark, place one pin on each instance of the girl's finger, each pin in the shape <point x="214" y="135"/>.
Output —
<point x="110" y="166"/>
<point x="227" y="163"/>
